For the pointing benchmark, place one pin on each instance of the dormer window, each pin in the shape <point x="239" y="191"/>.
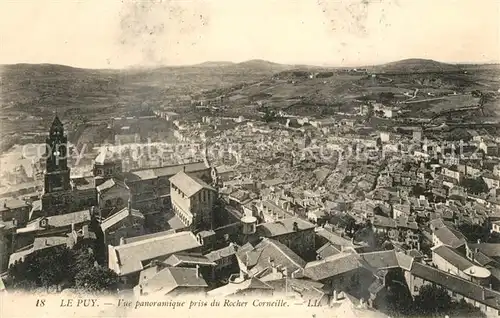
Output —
<point x="43" y="222"/>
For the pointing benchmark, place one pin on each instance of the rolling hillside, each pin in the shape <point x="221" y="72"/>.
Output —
<point x="415" y="66"/>
<point x="32" y="93"/>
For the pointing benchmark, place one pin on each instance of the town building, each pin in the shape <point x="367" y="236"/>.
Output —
<point x="295" y="233"/>
<point x="125" y="223"/>
<point x="129" y="259"/>
<point x="55" y="225"/>
<point x="192" y="200"/>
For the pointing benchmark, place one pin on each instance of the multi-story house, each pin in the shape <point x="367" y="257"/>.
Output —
<point x="192" y="200"/>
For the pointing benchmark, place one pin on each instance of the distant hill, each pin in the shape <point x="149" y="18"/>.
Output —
<point x="40" y="89"/>
<point x="31" y="93"/>
<point x="215" y="64"/>
<point x="415" y="66"/>
<point x="46" y="68"/>
<point x="262" y="64"/>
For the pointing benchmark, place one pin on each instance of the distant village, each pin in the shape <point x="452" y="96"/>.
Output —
<point x="321" y="211"/>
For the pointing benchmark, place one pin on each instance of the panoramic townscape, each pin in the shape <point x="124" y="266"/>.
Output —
<point x="250" y="158"/>
<point x="375" y="186"/>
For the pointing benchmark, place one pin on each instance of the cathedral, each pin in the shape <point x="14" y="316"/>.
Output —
<point x="110" y="189"/>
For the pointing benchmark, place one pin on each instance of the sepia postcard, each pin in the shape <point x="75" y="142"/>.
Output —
<point x="249" y="158"/>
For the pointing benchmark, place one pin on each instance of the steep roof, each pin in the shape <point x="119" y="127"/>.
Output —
<point x="108" y="184"/>
<point x="452" y="257"/>
<point x="12" y="203"/>
<point x="120" y="216"/>
<point x="457" y="284"/>
<point x="284" y="226"/>
<point x="40" y="243"/>
<point x="235" y="288"/>
<point x="381" y="259"/>
<point x="147" y="236"/>
<point x="105" y="156"/>
<point x="189" y="185"/>
<point x="130" y="257"/>
<point x="450" y="237"/>
<point x="332" y="266"/>
<point x="267" y="252"/>
<point x="328" y="249"/>
<point x="334" y="238"/>
<point x="168" y="279"/>
<point x="222" y="253"/>
<point x="188" y="258"/>
<point x="166" y="171"/>
<point x="490" y="249"/>
<point x="61" y="220"/>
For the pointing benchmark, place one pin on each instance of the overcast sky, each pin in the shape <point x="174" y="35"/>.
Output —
<point x="116" y="34"/>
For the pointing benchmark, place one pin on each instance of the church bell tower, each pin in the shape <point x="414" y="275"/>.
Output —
<point x="57" y="172"/>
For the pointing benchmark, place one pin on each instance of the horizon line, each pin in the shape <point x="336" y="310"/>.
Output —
<point x="329" y="65"/>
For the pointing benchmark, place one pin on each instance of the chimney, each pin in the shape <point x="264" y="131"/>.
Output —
<point x="4" y="204"/>
<point x="122" y="240"/>
<point x="198" y="270"/>
<point x="483" y="293"/>
<point x="271" y="261"/>
<point x="273" y="266"/>
<point x="72" y="227"/>
<point x="129" y="205"/>
<point x="184" y="168"/>
<point x="478" y="241"/>
<point x="295" y="226"/>
<point x="85" y="231"/>
<point x="285" y="272"/>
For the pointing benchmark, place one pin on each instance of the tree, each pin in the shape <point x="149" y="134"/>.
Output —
<point x="83" y="260"/>
<point x="383" y="242"/>
<point x="53" y="266"/>
<point x="398" y="299"/>
<point x="475" y="232"/>
<point x="96" y="279"/>
<point x="432" y="300"/>
<point x="24" y="285"/>
<point x="45" y="268"/>
<point x="269" y="115"/>
<point x="475" y="186"/>
<point x="417" y="190"/>
<point x="464" y="309"/>
<point x="386" y="97"/>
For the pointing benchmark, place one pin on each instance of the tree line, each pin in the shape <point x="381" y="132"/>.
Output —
<point x="61" y="266"/>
